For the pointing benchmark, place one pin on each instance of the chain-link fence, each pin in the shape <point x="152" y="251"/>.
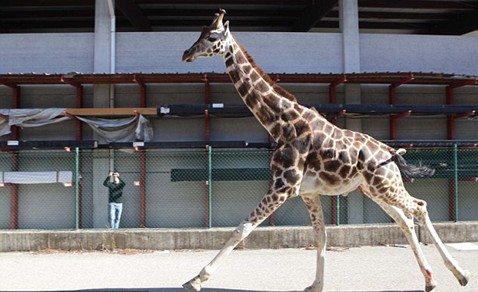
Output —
<point x="200" y="188"/>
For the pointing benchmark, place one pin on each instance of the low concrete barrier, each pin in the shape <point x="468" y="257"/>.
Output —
<point x="214" y="238"/>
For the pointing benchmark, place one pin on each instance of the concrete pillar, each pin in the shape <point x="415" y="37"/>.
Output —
<point x="103" y="29"/>
<point x="104" y="53"/>
<point x="348" y="12"/>
<point x="103" y="96"/>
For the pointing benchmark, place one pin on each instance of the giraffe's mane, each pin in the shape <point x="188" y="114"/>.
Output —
<point x="277" y="88"/>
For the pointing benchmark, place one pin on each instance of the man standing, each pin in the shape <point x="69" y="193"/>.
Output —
<point x="115" y="187"/>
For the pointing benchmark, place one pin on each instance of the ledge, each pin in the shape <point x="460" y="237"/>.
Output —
<point x="214" y="238"/>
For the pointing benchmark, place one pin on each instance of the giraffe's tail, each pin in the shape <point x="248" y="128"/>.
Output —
<point x="410" y="170"/>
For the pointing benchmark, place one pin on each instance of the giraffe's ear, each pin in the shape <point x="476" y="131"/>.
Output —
<point x="226" y="28"/>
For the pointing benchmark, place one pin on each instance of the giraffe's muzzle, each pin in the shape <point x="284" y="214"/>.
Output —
<point x="188" y="56"/>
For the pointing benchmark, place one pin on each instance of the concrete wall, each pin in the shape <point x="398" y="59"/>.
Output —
<point x="422" y="53"/>
<point x="276" y="52"/>
<point x="50" y="53"/>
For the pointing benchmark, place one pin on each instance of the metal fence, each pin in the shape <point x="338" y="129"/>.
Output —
<point x="200" y="188"/>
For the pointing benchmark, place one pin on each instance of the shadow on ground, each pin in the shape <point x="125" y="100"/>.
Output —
<point x="215" y="290"/>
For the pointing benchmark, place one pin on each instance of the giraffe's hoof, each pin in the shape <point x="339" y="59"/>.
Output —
<point x="430" y="286"/>
<point x="194" y="285"/>
<point x="466" y="278"/>
<point x="312" y="289"/>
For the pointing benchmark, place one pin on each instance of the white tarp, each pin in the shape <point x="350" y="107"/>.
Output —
<point x="121" y="130"/>
<point x="35" y="117"/>
<point x="36" y="177"/>
<point x="30" y="118"/>
<point x="113" y="130"/>
<point x="4" y="127"/>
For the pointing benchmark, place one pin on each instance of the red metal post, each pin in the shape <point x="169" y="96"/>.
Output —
<point x="270" y="139"/>
<point x="450" y="119"/>
<point x="333" y="99"/>
<point x="142" y="159"/>
<point x="392" y="99"/>
<point x="142" y="188"/>
<point x="207" y="137"/>
<point x="14" y="192"/>
<point x="143" y="102"/>
<point x="451" y="199"/>
<point x="393" y="119"/>
<point x="207" y="102"/>
<point x="79" y="104"/>
<point x="206" y="191"/>
<point x="142" y="88"/>
<point x="333" y="88"/>
<point x="14" y="206"/>
<point x="78" y="135"/>
<point x="450" y="122"/>
<point x="16" y="91"/>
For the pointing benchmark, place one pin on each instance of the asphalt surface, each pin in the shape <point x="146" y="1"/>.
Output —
<point x="371" y="269"/>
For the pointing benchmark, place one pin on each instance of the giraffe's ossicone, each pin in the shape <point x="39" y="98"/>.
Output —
<point x="314" y="157"/>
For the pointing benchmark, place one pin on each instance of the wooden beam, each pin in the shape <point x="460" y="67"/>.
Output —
<point x="414" y="4"/>
<point x="313" y="13"/>
<point x="134" y="14"/>
<point x="145" y="111"/>
<point x="458" y="25"/>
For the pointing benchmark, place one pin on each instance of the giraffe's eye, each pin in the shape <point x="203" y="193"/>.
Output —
<point x="212" y="39"/>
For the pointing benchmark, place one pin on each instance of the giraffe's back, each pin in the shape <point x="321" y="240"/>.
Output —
<point x="340" y="160"/>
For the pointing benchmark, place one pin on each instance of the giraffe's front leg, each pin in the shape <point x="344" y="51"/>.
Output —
<point x="267" y="206"/>
<point x="241" y="232"/>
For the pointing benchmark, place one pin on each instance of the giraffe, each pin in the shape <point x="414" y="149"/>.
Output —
<point x="313" y="157"/>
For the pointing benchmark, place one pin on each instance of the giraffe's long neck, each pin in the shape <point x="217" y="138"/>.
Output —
<point x="265" y="99"/>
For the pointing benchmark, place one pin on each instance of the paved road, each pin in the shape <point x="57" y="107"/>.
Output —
<point x="370" y="269"/>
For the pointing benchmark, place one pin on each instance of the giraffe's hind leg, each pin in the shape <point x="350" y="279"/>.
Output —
<point x="314" y="206"/>
<point x="407" y="226"/>
<point x="461" y="275"/>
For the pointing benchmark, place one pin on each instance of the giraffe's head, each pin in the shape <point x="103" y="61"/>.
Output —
<point x="212" y="41"/>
